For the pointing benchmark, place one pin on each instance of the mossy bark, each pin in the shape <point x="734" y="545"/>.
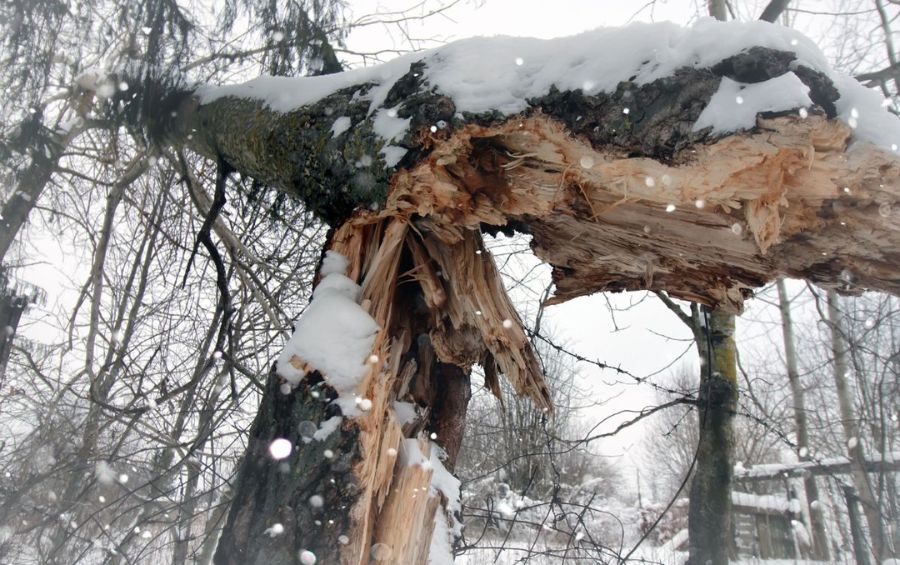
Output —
<point x="819" y="537"/>
<point x="709" y="514"/>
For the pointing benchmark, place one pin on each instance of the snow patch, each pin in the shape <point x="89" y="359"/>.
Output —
<point x="440" y="552"/>
<point x="388" y="126"/>
<point x="760" y="501"/>
<point x="334" y="335"/>
<point x="392" y="155"/>
<point x="327" y="428"/>
<point x="444" y="482"/>
<point x="502" y="73"/>
<point x="735" y="105"/>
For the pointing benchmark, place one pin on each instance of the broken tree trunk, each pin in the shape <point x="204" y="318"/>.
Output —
<point x="850" y="424"/>
<point x="370" y="489"/>
<point x="620" y="188"/>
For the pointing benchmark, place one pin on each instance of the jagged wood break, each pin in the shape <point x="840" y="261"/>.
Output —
<point x="612" y="200"/>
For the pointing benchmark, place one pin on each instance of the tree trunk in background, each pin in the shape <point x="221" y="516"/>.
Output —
<point x="860" y="552"/>
<point x="850" y="424"/>
<point x="213" y="529"/>
<point x="31" y="185"/>
<point x="819" y="538"/>
<point x="709" y="513"/>
<point x="718" y="9"/>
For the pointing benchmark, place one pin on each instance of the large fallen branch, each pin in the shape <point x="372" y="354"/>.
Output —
<point x="636" y="159"/>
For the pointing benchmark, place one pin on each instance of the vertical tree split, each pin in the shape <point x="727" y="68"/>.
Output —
<point x="371" y="488"/>
<point x="709" y="514"/>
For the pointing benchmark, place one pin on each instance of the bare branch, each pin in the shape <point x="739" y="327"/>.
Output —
<point x="773" y="10"/>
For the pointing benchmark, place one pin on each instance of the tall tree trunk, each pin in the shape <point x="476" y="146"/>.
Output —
<point x="213" y="529"/>
<point x="860" y="551"/>
<point x="362" y="491"/>
<point x="849" y="422"/>
<point x="819" y="538"/>
<point x="709" y="513"/>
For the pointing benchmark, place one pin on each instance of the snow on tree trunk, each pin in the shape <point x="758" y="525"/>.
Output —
<point x="816" y="519"/>
<point x="669" y="166"/>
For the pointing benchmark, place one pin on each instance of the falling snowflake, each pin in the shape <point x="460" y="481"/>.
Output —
<point x="381" y="552"/>
<point x="280" y="448"/>
<point x="307" y="430"/>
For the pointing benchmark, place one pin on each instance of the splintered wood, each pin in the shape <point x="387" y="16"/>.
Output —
<point x="436" y="302"/>
<point x="407" y="516"/>
<point x="709" y="224"/>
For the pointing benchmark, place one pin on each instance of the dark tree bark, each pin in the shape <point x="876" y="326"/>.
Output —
<point x="270" y="492"/>
<point x="12" y="305"/>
